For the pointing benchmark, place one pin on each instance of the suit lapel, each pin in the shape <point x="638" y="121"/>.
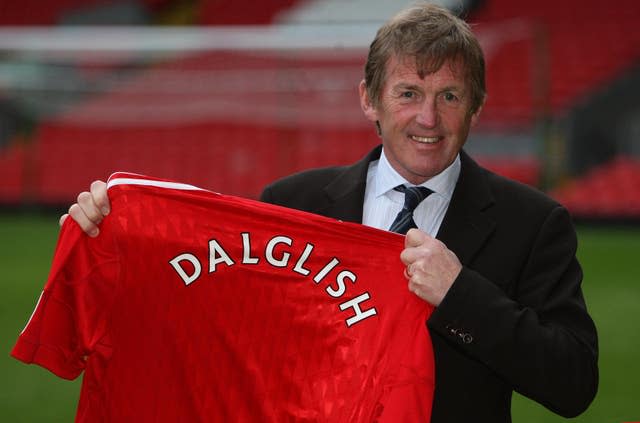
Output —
<point x="466" y="225"/>
<point x="345" y="193"/>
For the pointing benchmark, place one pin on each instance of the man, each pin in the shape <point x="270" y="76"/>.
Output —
<point x="495" y="257"/>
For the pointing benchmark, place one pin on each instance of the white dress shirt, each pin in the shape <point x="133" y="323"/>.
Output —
<point x="382" y="203"/>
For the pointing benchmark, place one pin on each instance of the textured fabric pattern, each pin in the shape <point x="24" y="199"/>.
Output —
<point x="195" y="306"/>
<point x="412" y="197"/>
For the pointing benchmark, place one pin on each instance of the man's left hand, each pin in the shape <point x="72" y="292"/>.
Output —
<point x="431" y="266"/>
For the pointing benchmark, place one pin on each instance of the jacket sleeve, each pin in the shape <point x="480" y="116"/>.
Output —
<point x="539" y="337"/>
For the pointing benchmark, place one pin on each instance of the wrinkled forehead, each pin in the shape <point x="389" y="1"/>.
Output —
<point x="409" y="66"/>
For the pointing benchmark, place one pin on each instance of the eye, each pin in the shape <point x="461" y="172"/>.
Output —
<point x="408" y="94"/>
<point x="450" y="97"/>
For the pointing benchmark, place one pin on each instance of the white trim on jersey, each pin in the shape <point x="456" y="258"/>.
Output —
<point x="33" y="312"/>
<point x="149" y="182"/>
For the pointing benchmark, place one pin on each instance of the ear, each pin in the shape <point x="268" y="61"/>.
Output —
<point x="476" y="115"/>
<point x="368" y="108"/>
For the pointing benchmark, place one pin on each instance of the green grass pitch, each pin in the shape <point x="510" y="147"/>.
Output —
<point x="610" y="258"/>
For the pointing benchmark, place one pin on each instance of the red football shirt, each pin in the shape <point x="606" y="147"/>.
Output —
<point x="196" y="306"/>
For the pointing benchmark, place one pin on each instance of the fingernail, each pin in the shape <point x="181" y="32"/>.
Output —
<point x="105" y="211"/>
<point x="94" y="232"/>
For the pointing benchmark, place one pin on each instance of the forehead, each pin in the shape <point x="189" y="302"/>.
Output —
<point x="404" y="69"/>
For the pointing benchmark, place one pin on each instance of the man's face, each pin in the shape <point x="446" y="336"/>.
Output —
<point x="424" y="122"/>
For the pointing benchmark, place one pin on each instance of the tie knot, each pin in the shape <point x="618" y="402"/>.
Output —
<point x="413" y="196"/>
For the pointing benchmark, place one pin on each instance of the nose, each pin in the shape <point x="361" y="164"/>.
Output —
<point x="428" y="113"/>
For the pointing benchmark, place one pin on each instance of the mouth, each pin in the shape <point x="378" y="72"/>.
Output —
<point x="425" y="140"/>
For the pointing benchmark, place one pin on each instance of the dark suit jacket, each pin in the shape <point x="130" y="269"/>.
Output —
<point x="514" y="318"/>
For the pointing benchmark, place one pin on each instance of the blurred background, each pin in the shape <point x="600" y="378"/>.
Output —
<point x="231" y="95"/>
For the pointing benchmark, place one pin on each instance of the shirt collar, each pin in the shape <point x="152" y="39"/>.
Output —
<point x="386" y="178"/>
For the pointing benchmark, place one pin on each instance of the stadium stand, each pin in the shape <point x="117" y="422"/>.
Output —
<point x="189" y="117"/>
<point x="13" y="169"/>
<point x="610" y="191"/>
<point x="578" y="49"/>
<point x="237" y="13"/>
<point x="205" y="12"/>
<point x="588" y="44"/>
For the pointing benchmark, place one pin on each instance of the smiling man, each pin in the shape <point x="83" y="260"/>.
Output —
<point x="423" y="121"/>
<point x="495" y="257"/>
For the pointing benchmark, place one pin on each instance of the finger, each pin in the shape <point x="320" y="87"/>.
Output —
<point x="406" y="273"/>
<point x="413" y="286"/>
<point x="89" y="227"/>
<point x="422" y="292"/>
<point x="409" y="270"/>
<point x="412" y="254"/>
<point x="89" y="207"/>
<point x="62" y="219"/>
<point x="408" y="256"/>
<point x="100" y="197"/>
<point x="414" y="238"/>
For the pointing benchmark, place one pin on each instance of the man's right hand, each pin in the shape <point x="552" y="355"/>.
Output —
<point x="91" y="208"/>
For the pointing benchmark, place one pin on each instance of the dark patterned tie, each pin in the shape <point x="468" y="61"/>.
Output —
<point x="412" y="197"/>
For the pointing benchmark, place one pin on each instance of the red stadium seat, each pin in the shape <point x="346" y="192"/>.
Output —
<point x="13" y="171"/>
<point x="610" y="190"/>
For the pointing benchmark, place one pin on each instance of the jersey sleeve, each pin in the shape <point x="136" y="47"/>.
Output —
<point x="70" y="318"/>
